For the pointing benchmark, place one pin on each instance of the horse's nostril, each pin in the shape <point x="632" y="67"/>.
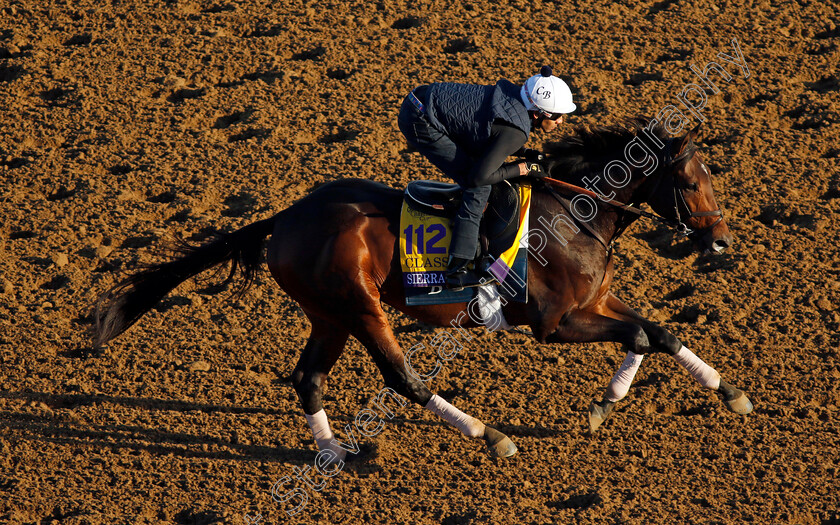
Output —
<point x="720" y="245"/>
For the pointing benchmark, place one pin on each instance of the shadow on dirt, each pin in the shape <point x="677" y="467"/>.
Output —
<point x="55" y="424"/>
<point x="661" y="240"/>
<point x="57" y="401"/>
<point x="118" y="437"/>
<point x="578" y="501"/>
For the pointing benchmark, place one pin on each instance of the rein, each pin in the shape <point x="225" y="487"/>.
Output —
<point x="626" y="207"/>
<point x="680" y="227"/>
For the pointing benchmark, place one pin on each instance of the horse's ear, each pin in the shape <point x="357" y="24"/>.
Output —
<point x="694" y="132"/>
<point x="689" y="137"/>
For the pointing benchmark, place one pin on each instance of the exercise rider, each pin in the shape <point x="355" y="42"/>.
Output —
<point x="468" y="131"/>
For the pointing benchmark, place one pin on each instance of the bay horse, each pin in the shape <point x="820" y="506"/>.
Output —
<point x="335" y="253"/>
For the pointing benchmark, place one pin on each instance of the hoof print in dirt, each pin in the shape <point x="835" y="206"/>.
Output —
<point x="186" y="94"/>
<point x="460" y="45"/>
<point x="229" y="120"/>
<point x="407" y="23"/>
<point x="339" y="73"/>
<point x="82" y="39"/>
<point x="310" y="54"/>
<point x="340" y="135"/>
<point x="248" y="134"/>
<point x="636" y="79"/>
<point x="10" y="73"/>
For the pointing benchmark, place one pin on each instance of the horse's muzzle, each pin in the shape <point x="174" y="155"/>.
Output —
<point x="719" y="245"/>
<point x="715" y="240"/>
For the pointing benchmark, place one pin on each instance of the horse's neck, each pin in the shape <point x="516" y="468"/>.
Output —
<point x="610" y="221"/>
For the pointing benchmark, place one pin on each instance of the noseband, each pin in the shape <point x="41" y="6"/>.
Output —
<point x="679" y="199"/>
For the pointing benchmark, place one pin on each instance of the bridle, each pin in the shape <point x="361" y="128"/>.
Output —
<point x="677" y="222"/>
<point x="679" y="199"/>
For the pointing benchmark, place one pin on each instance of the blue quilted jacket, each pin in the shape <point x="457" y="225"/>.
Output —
<point x="465" y="112"/>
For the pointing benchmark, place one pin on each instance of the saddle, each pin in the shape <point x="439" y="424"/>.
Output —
<point x="501" y="216"/>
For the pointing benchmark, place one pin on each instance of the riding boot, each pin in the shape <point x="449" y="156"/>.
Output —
<point x="482" y="268"/>
<point x="458" y="276"/>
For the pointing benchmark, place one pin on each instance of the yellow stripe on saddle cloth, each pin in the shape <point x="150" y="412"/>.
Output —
<point x="425" y="239"/>
<point x="504" y="266"/>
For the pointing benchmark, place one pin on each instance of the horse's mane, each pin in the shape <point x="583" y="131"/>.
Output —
<point x="589" y="148"/>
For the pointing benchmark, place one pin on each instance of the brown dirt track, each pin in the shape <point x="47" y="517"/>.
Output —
<point x="123" y="126"/>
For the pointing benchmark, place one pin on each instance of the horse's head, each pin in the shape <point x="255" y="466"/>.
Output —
<point x="684" y="193"/>
<point x="679" y="188"/>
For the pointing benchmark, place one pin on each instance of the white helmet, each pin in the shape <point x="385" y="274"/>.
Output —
<point x="547" y="93"/>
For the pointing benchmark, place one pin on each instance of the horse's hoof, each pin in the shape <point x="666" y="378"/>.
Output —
<point x="740" y="405"/>
<point x="598" y="413"/>
<point x="333" y="454"/>
<point x="498" y="444"/>
<point x="736" y="400"/>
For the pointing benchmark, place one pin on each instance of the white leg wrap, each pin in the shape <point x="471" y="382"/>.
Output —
<point x="323" y="434"/>
<point x="621" y="381"/>
<point x="703" y="373"/>
<point x="490" y="308"/>
<point x="468" y="425"/>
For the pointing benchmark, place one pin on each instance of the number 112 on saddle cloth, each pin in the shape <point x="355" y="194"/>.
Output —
<point x="424" y="248"/>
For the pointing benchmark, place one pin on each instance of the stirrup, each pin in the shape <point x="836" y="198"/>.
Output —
<point x="457" y="281"/>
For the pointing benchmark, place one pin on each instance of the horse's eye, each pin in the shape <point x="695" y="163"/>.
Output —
<point x="692" y="187"/>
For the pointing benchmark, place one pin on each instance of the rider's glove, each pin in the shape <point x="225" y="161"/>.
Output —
<point x="530" y="154"/>
<point x="533" y="155"/>
<point x="535" y="169"/>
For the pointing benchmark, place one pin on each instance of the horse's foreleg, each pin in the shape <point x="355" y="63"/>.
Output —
<point x="325" y="344"/>
<point x="616" y="391"/>
<point x="663" y="341"/>
<point x="588" y="327"/>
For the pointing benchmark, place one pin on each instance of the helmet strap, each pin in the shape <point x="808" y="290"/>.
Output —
<point x="537" y="118"/>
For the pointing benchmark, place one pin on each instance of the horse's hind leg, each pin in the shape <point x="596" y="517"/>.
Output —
<point x="326" y="341"/>
<point x="374" y="332"/>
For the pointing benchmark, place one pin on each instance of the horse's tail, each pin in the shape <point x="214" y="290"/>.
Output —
<point x="121" y="306"/>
